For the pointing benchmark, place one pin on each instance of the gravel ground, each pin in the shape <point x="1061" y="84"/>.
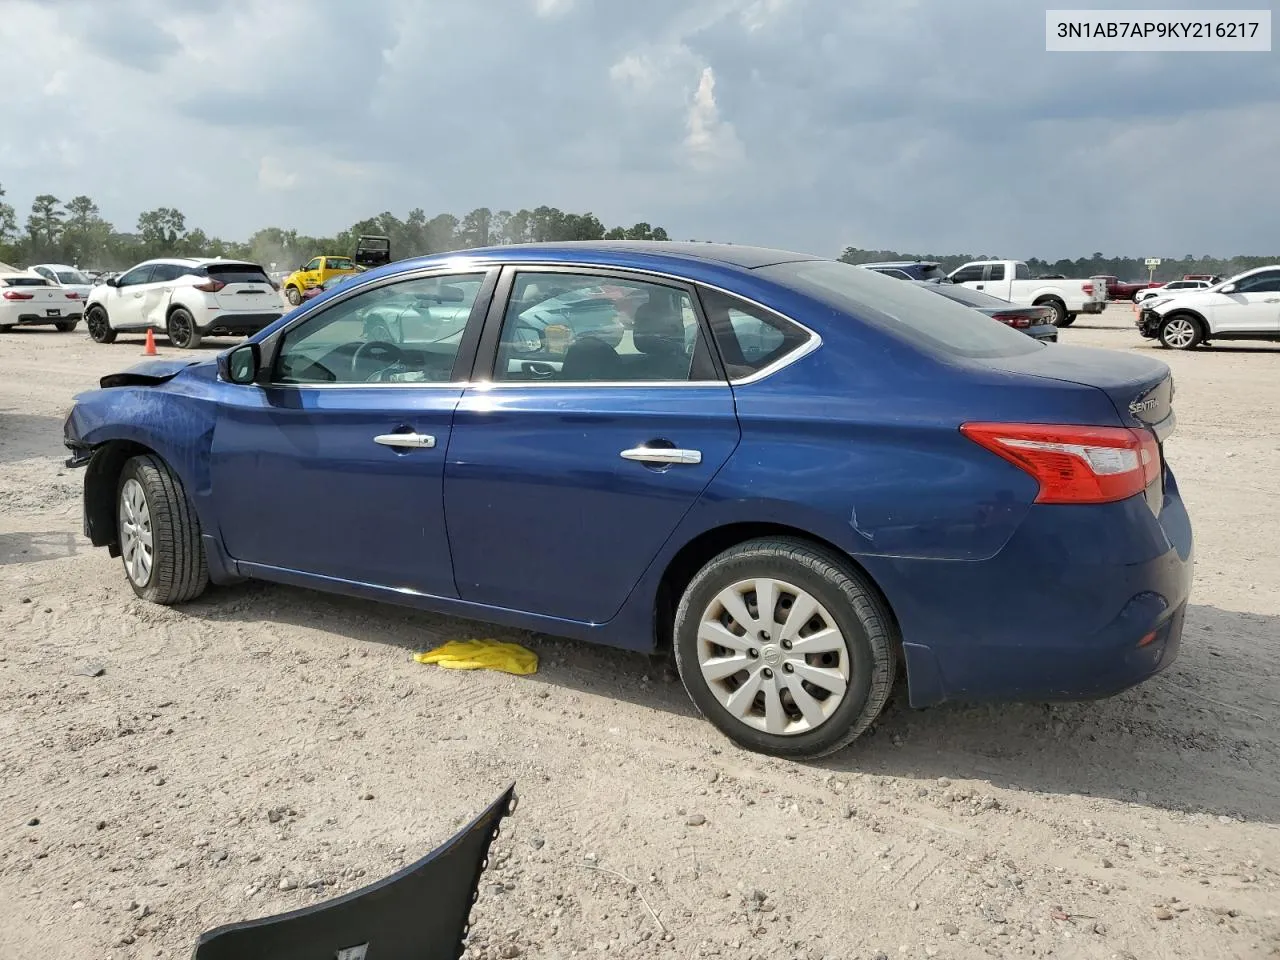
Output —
<point x="266" y="747"/>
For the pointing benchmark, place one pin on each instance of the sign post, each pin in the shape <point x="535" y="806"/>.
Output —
<point x="1152" y="263"/>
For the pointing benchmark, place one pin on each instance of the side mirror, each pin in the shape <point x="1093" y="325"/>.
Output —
<point x="239" y="364"/>
<point x="112" y="281"/>
<point x="1229" y="288"/>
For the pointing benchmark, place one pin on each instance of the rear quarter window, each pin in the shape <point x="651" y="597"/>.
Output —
<point x="750" y="338"/>
<point x="902" y="310"/>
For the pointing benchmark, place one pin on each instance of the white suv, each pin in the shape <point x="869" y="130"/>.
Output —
<point x="187" y="298"/>
<point x="1172" y="287"/>
<point x="1246" y="307"/>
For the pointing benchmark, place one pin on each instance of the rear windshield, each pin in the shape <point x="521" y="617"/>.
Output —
<point x="24" y="281"/>
<point x="966" y="295"/>
<point x="236" y="273"/>
<point x="374" y="243"/>
<point x="71" y="276"/>
<point x="901" y="309"/>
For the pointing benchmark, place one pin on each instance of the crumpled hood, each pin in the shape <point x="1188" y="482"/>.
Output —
<point x="151" y="372"/>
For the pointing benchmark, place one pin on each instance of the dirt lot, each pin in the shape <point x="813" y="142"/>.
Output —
<point x="136" y="806"/>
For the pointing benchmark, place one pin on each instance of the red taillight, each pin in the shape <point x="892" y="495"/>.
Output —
<point x="1088" y="289"/>
<point x="73" y="295"/>
<point x="1074" y="464"/>
<point x="1021" y="321"/>
<point x="15" y="295"/>
<point x="210" y="286"/>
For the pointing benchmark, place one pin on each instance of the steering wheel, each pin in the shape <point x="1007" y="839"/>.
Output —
<point x="379" y="351"/>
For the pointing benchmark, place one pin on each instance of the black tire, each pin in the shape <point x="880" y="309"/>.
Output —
<point x="1181" y="331"/>
<point x="178" y="570"/>
<point x="5" y="327"/>
<point x="181" y="329"/>
<point x="95" y="319"/>
<point x="293" y="295"/>
<point x="66" y="326"/>
<point x="1068" y="320"/>
<point x="851" y="602"/>
<point x="1059" y="311"/>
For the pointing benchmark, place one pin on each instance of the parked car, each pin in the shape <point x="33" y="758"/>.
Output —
<point x="1036" y="322"/>
<point x="1118" y="289"/>
<point x="372" y="251"/>
<point x="793" y="472"/>
<point x="1011" y="280"/>
<point x="1164" y="289"/>
<point x="27" y="299"/>
<point x="1246" y="307"/>
<point x="186" y="298"/>
<point x="1208" y="278"/>
<point x="315" y="272"/>
<point x="908" y="269"/>
<point x="70" y="279"/>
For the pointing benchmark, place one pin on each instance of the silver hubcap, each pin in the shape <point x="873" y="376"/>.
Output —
<point x="136" y="544"/>
<point x="1179" y="333"/>
<point x="773" y="656"/>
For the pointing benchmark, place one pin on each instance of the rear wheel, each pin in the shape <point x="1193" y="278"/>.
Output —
<point x="785" y="647"/>
<point x="95" y="319"/>
<point x="5" y="327"/>
<point x="1059" y="311"/>
<point x="182" y="329"/>
<point x="1069" y="320"/>
<point x="1181" y="332"/>
<point x="66" y="326"/>
<point x="159" y="533"/>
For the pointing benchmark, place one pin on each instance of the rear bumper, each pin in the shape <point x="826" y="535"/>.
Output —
<point x="237" y="324"/>
<point x="38" y="319"/>
<point x="1083" y="602"/>
<point x="1043" y="331"/>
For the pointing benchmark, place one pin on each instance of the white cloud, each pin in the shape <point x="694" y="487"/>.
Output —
<point x="552" y="8"/>
<point x="711" y="142"/>
<point x="273" y="175"/>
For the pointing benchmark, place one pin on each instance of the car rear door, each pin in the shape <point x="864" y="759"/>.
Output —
<point x="584" y="441"/>
<point x="997" y="281"/>
<point x="334" y="468"/>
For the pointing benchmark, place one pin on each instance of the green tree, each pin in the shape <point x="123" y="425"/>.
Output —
<point x="8" y="221"/>
<point x="44" y="227"/>
<point x="161" y="230"/>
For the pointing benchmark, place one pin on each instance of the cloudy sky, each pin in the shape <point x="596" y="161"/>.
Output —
<point x="921" y="125"/>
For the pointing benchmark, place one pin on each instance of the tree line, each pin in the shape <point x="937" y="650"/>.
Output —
<point x="75" y="232"/>
<point x="1098" y="265"/>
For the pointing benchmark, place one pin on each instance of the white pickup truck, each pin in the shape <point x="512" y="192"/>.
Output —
<point x="1011" y="280"/>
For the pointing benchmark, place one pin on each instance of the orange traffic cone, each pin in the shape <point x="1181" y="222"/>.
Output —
<point x="150" y="351"/>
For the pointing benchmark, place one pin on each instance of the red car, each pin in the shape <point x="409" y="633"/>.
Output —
<point x="1118" y="289"/>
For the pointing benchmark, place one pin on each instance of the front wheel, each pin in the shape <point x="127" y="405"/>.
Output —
<point x="95" y="319"/>
<point x="293" y="295"/>
<point x="182" y="330"/>
<point x="159" y="533"/>
<point x="785" y="647"/>
<point x="1181" y="332"/>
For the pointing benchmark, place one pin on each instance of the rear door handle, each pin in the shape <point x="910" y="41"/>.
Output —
<point x="662" y="455"/>
<point x="1274" y="300"/>
<point x="413" y="441"/>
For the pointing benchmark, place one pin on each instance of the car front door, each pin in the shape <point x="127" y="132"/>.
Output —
<point x="158" y="291"/>
<point x="1253" y="307"/>
<point x="333" y="467"/>
<point x="591" y="439"/>
<point x="312" y="273"/>
<point x="123" y="302"/>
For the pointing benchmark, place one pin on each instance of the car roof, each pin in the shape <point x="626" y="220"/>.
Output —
<point x="901" y="263"/>
<point x="622" y="252"/>
<point x="55" y="266"/>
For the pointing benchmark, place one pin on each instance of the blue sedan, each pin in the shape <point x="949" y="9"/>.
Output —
<point x="799" y="476"/>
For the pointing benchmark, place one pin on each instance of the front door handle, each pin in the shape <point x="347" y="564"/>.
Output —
<point x="413" y="441"/>
<point x="662" y="455"/>
<point x="1274" y="300"/>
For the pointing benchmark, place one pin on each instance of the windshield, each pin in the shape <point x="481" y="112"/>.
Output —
<point x="901" y="309"/>
<point x="932" y="272"/>
<point x="71" y="276"/>
<point x="965" y="295"/>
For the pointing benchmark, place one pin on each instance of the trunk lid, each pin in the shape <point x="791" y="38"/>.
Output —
<point x="36" y="295"/>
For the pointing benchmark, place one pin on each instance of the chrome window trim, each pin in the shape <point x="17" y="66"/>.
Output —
<point x="465" y="265"/>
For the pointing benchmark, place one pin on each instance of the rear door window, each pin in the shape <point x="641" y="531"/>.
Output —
<point x="997" y="271"/>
